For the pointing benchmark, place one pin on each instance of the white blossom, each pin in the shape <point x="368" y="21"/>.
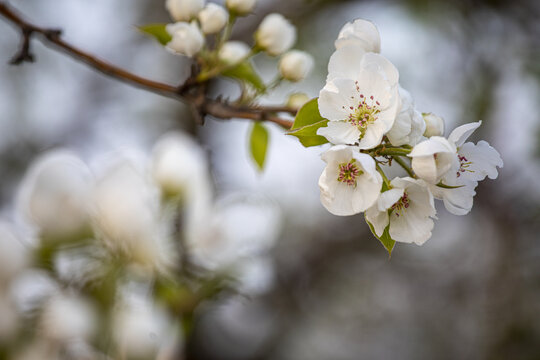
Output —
<point x="275" y="34"/>
<point x="433" y="158"/>
<point x="295" y="65"/>
<point x="184" y="10"/>
<point x="409" y="125"/>
<point x="54" y="195"/>
<point x="233" y="52"/>
<point x="14" y="256"/>
<point x="474" y="162"/>
<point x="350" y="183"/>
<point x="128" y="217"/>
<point x="213" y="18"/>
<point x="241" y="7"/>
<point x="360" y="98"/>
<point x="434" y="125"/>
<point x="67" y="317"/>
<point x="187" y="38"/>
<point x="361" y="33"/>
<point x="407" y="208"/>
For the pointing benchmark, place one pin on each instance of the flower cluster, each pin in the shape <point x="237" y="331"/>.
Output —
<point x="203" y="31"/>
<point x="372" y="124"/>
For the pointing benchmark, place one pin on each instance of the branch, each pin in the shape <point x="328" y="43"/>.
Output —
<point x="204" y="105"/>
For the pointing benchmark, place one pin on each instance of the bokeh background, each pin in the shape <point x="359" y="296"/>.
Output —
<point x="471" y="292"/>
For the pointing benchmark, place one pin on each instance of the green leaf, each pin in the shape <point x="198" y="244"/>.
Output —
<point x="245" y="72"/>
<point x="258" y="144"/>
<point x="307" y="122"/>
<point x="157" y="31"/>
<point x="444" y="186"/>
<point x="385" y="239"/>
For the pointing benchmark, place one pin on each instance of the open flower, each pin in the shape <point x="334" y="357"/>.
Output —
<point x="409" y="125"/>
<point x="433" y="158"/>
<point x="362" y="33"/>
<point x="474" y="162"/>
<point x="360" y="98"/>
<point x="407" y="208"/>
<point x="187" y="38"/>
<point x="350" y="183"/>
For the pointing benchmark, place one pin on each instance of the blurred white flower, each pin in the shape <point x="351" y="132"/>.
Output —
<point x="407" y="208"/>
<point x="235" y="234"/>
<point x="241" y="7"/>
<point x="187" y="38"/>
<point x="474" y="163"/>
<point x="350" y="183"/>
<point x="54" y="195"/>
<point x="434" y="125"/>
<point x="67" y="317"/>
<point x="9" y="319"/>
<point x="360" y="98"/>
<point x="275" y="34"/>
<point x="295" y="65"/>
<point x="129" y="219"/>
<point x="139" y="328"/>
<point x="409" y="125"/>
<point x="233" y="52"/>
<point x="297" y="100"/>
<point x="213" y="18"/>
<point x="14" y="256"/>
<point x="361" y="33"/>
<point x="255" y="275"/>
<point x="184" y="10"/>
<point x="433" y="158"/>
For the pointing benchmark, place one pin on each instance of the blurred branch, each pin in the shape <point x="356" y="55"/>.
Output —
<point x="189" y="92"/>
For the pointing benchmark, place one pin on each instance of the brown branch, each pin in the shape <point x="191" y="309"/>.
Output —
<point x="205" y="106"/>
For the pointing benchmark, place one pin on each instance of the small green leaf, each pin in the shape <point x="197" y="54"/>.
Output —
<point x="157" y="31"/>
<point x="245" y="72"/>
<point x="386" y="240"/>
<point x="258" y="144"/>
<point x="307" y="122"/>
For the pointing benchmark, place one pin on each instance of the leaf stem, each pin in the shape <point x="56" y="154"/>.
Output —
<point x="404" y="165"/>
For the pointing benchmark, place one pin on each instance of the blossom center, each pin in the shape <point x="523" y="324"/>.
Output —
<point x="464" y="164"/>
<point x="365" y="112"/>
<point x="402" y="204"/>
<point x="348" y="173"/>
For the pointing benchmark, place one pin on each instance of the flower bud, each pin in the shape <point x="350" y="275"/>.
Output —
<point x="295" y="65"/>
<point x="213" y="18"/>
<point x="184" y="10"/>
<point x="187" y="39"/>
<point x="361" y="33"/>
<point x="54" y="195"/>
<point x="275" y="34"/>
<point x="241" y="7"/>
<point x="434" y="125"/>
<point x="297" y="100"/>
<point x="233" y="52"/>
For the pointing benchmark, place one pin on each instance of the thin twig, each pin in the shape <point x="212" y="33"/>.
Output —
<point x="206" y="106"/>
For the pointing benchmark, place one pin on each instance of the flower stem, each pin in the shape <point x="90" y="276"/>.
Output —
<point x="385" y="179"/>
<point x="404" y="165"/>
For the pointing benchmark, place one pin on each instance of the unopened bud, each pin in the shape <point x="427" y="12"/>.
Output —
<point x="295" y="65"/>
<point x="275" y="34"/>
<point x="241" y="7"/>
<point x="213" y="18"/>
<point x="434" y="125"/>
<point x="184" y="10"/>
<point x="187" y="39"/>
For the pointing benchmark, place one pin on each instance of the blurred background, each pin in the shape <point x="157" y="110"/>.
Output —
<point x="471" y="292"/>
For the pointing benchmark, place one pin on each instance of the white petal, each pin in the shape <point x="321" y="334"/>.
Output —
<point x="484" y="158"/>
<point x="379" y="62"/>
<point x="366" y="192"/>
<point x="457" y="201"/>
<point x="361" y="32"/>
<point x="389" y="198"/>
<point x="345" y="63"/>
<point x="462" y="133"/>
<point x="379" y="219"/>
<point x="373" y="136"/>
<point x="431" y="146"/>
<point x="425" y="167"/>
<point x="340" y="132"/>
<point x="336" y="98"/>
<point x="410" y="227"/>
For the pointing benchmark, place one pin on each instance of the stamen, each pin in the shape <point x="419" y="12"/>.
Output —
<point x="464" y="164"/>
<point x="348" y="172"/>
<point x="402" y="204"/>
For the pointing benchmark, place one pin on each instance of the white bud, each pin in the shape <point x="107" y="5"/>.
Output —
<point x="187" y="38"/>
<point x="184" y="10"/>
<point x="233" y="52"/>
<point x="361" y="33"/>
<point x="434" y="125"/>
<point x="67" y="317"/>
<point x="275" y="34"/>
<point x="213" y="18"/>
<point x="54" y="195"/>
<point x="297" y="100"/>
<point x="241" y="7"/>
<point x="128" y="217"/>
<point x="13" y="254"/>
<point x="295" y="65"/>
